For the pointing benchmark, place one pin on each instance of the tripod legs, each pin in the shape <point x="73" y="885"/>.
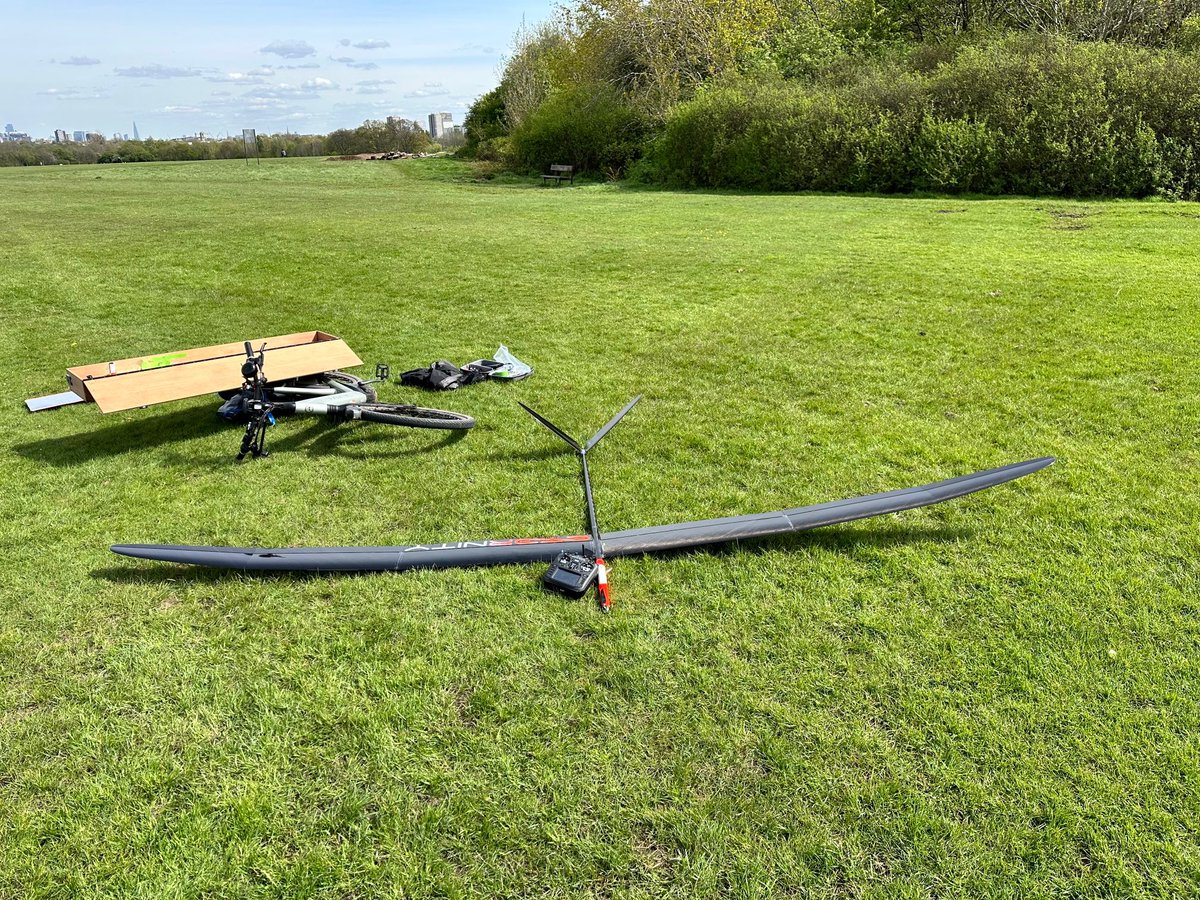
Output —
<point x="255" y="438"/>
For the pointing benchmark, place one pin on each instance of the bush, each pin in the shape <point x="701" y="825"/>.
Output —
<point x="590" y="127"/>
<point x="956" y="156"/>
<point x="778" y="135"/>
<point x="1026" y="115"/>
<point x="492" y="150"/>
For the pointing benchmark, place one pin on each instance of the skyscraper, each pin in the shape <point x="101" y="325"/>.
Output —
<point x="135" y="133"/>
<point x="60" y="136"/>
<point x="438" y="122"/>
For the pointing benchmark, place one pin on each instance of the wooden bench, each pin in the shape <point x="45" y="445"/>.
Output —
<point x="559" y="174"/>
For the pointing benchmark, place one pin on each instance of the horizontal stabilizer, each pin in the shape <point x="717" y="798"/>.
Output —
<point x="595" y="439"/>
<point x="562" y="434"/>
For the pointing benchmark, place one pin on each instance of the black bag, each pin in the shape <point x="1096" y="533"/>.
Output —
<point x="445" y="376"/>
<point x="442" y="376"/>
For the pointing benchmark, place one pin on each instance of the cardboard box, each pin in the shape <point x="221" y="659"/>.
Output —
<point x="162" y="377"/>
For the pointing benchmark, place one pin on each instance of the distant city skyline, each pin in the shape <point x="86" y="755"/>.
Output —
<point x="216" y="68"/>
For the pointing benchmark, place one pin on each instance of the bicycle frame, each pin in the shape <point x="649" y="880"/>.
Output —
<point x="338" y="396"/>
<point x="315" y="400"/>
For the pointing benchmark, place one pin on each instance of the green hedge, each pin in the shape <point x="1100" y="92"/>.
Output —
<point x="590" y="127"/>
<point x="1017" y="115"/>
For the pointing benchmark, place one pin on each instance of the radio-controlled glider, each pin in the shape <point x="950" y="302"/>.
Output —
<point x="578" y="561"/>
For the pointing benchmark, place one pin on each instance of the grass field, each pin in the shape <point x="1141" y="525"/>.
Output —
<point x="993" y="697"/>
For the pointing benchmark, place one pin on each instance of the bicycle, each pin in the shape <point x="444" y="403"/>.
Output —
<point x="340" y="396"/>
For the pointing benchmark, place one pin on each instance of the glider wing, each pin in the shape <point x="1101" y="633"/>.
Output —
<point x="463" y="554"/>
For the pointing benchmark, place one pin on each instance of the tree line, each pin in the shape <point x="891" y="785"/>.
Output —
<point x="986" y="96"/>
<point x="372" y="136"/>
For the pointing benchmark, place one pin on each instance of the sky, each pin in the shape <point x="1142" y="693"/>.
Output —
<point x="218" y="67"/>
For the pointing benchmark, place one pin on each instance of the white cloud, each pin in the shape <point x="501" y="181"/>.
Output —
<point x="154" y="70"/>
<point x="375" y="82"/>
<point x="353" y="63"/>
<point x="181" y="109"/>
<point x="264" y="103"/>
<point x="290" y="49"/>
<point x="307" y="65"/>
<point x="358" y="108"/>
<point x="371" y="45"/>
<point x="79" y="61"/>
<point x="283" y="91"/>
<point x="254" y="76"/>
<point x="73" y="94"/>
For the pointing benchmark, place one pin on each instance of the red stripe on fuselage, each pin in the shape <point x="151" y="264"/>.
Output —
<point x="510" y="542"/>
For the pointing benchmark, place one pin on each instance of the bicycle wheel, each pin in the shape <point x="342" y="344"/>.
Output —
<point x="409" y="416"/>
